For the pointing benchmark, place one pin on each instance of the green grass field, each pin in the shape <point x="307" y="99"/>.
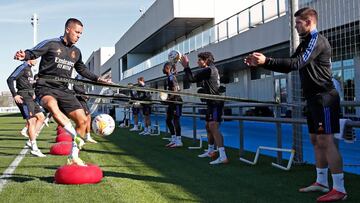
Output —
<point x="141" y="169"/>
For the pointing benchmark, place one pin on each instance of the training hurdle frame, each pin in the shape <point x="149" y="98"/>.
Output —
<point x="277" y="120"/>
<point x="292" y="153"/>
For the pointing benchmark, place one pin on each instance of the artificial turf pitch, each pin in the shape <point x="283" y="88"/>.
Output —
<point x="141" y="169"/>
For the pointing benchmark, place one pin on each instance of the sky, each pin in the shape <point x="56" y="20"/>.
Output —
<point x="105" y="21"/>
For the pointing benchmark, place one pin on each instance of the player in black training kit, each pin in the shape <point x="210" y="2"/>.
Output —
<point x="210" y="78"/>
<point x="146" y="108"/>
<point x="59" y="57"/>
<point x="312" y="59"/>
<point x="24" y="99"/>
<point x="174" y="110"/>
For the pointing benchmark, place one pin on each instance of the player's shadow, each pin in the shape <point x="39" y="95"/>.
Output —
<point x="9" y="154"/>
<point x="8" y="137"/>
<point x="137" y="177"/>
<point x="18" y="178"/>
<point x="8" y="147"/>
<point x="105" y="152"/>
<point x="17" y="131"/>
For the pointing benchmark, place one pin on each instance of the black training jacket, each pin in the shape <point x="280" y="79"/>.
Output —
<point x="23" y="77"/>
<point x="209" y="76"/>
<point x="312" y="59"/>
<point x="58" y="59"/>
<point x="173" y="85"/>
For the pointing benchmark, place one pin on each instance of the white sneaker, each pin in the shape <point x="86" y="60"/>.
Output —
<point x="220" y="160"/>
<point x="145" y="133"/>
<point x="176" y="144"/>
<point x="170" y="143"/>
<point x="24" y="133"/>
<point x="37" y="153"/>
<point x="134" y="129"/>
<point x="207" y="154"/>
<point x="28" y="144"/>
<point x="79" y="142"/>
<point x="91" y="140"/>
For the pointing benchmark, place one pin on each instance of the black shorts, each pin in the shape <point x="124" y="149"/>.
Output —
<point x="174" y="110"/>
<point x="146" y="109"/>
<point x="29" y="108"/>
<point x="84" y="105"/>
<point x="66" y="99"/>
<point x="214" y="112"/>
<point x="323" y="113"/>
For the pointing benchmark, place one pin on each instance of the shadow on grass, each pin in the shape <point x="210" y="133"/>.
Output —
<point x="16" y="131"/>
<point x="105" y="152"/>
<point x="234" y="182"/>
<point x="21" y="178"/>
<point x="137" y="177"/>
<point x="22" y="138"/>
<point x="9" y="154"/>
<point x="7" y="147"/>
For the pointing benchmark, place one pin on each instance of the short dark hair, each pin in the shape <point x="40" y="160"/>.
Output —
<point x="141" y="79"/>
<point x="305" y="13"/>
<point x="207" y="56"/>
<point x="73" y="21"/>
<point x="166" y="65"/>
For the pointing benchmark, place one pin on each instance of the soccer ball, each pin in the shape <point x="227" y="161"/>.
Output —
<point x="174" y="56"/>
<point x="103" y="125"/>
<point x="163" y="96"/>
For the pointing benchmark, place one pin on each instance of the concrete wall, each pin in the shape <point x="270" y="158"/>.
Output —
<point x="253" y="39"/>
<point x="98" y="58"/>
<point x="196" y="9"/>
<point x="158" y="15"/>
<point x="105" y="54"/>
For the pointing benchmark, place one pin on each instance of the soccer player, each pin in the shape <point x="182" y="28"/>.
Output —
<point x="312" y="59"/>
<point x="24" y="99"/>
<point x="59" y="56"/>
<point x="210" y="78"/>
<point x="174" y="110"/>
<point x="145" y="96"/>
<point x="135" y="110"/>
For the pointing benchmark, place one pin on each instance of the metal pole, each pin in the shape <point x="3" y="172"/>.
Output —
<point x="241" y="134"/>
<point x="262" y="12"/>
<point x="278" y="135"/>
<point x="238" y="24"/>
<point x="296" y="88"/>
<point x="194" y="124"/>
<point x="34" y="23"/>
<point x="249" y="19"/>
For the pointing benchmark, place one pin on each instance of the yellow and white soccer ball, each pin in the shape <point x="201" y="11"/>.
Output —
<point x="163" y="96"/>
<point x="174" y="56"/>
<point x="103" y="124"/>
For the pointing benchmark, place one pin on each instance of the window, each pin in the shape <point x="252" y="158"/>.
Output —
<point x="344" y="72"/>
<point x="259" y="73"/>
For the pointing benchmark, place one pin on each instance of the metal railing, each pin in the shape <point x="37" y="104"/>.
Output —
<point x="258" y="13"/>
<point x="277" y="120"/>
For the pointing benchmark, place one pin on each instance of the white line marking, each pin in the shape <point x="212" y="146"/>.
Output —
<point x="10" y="170"/>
